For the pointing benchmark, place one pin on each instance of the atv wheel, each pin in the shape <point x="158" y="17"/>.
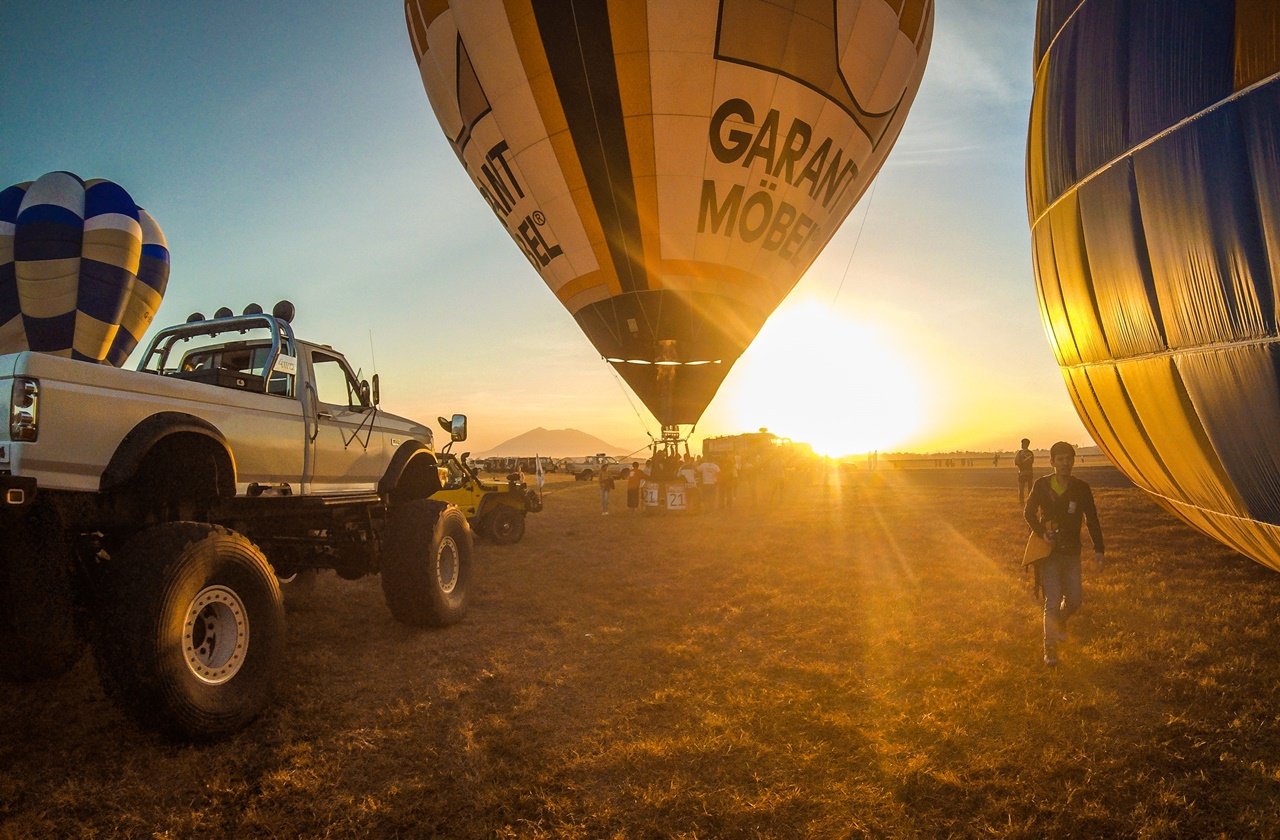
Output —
<point x="505" y="524"/>
<point x="40" y="636"/>
<point x="426" y="563"/>
<point x="190" y="630"/>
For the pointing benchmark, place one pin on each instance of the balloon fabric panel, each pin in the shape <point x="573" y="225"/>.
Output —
<point x="1262" y="142"/>
<point x="1050" y="17"/>
<point x="1119" y="263"/>
<point x="140" y="307"/>
<point x="1257" y="42"/>
<point x="1166" y="413"/>
<point x="1207" y="256"/>
<point x="1215" y="381"/>
<point x="1180" y="61"/>
<point x="671" y="167"/>
<point x="1076" y="281"/>
<point x="1153" y="189"/>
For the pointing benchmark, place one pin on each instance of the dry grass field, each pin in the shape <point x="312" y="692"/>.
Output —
<point x="860" y="658"/>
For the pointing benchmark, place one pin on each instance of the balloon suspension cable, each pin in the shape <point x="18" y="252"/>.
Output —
<point x="622" y="385"/>
<point x="870" y="197"/>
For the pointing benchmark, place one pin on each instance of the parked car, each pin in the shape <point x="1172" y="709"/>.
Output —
<point x="587" y="468"/>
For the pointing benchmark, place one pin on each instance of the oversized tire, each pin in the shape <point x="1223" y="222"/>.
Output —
<point x="189" y="630"/>
<point x="427" y="563"/>
<point x="504" y="524"/>
<point x="40" y="630"/>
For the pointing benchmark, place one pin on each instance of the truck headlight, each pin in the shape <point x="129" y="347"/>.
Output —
<point x="24" y="409"/>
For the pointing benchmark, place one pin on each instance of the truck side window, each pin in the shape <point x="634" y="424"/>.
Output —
<point x="333" y="383"/>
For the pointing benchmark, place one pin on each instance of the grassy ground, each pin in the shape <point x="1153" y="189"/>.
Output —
<point x="859" y="659"/>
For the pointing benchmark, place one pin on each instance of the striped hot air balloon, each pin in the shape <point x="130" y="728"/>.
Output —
<point x="671" y="167"/>
<point x="82" y="268"/>
<point x="1153" y="186"/>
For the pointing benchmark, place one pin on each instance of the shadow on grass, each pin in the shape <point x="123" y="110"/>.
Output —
<point x="856" y="658"/>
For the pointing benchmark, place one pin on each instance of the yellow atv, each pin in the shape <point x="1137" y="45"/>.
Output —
<point x="495" y="510"/>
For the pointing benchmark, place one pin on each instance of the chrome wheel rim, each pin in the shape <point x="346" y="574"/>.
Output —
<point x="447" y="566"/>
<point x="215" y="635"/>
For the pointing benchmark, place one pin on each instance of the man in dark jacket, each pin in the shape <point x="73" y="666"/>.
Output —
<point x="1055" y="509"/>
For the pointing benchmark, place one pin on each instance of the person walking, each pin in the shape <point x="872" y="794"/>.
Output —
<point x="606" y="484"/>
<point x="1024" y="461"/>
<point x="1055" y="508"/>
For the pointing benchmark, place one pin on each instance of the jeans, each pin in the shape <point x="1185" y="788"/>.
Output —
<point x="1060" y="578"/>
<point x="604" y="500"/>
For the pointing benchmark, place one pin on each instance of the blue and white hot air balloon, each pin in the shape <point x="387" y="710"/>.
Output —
<point x="82" y="268"/>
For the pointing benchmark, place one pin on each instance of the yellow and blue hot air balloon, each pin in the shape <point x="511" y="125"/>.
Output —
<point x="82" y="268"/>
<point x="1153" y="187"/>
<point x="671" y="167"/>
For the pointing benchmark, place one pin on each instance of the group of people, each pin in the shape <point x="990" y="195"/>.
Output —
<point x="709" y="483"/>
<point x="1055" y="506"/>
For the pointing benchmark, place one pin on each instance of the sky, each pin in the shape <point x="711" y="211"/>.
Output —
<point x="288" y="150"/>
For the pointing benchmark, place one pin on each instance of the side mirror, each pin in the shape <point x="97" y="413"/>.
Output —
<point x="458" y="427"/>
<point x="445" y="424"/>
<point x="364" y="393"/>
<point x="377" y="397"/>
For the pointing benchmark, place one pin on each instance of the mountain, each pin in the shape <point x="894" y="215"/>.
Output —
<point x="553" y="443"/>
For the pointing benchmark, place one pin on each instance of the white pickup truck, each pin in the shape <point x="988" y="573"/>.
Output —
<point x="154" y="513"/>
<point x="588" y="467"/>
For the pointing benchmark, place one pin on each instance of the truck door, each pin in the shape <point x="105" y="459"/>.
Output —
<point x="345" y="448"/>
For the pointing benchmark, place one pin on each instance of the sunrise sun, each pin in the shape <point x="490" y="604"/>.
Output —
<point x="815" y="376"/>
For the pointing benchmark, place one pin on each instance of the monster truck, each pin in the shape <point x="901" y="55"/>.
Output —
<point x="152" y="513"/>
<point x="495" y="510"/>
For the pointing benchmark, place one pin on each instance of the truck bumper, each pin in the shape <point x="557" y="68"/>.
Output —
<point x="16" y="491"/>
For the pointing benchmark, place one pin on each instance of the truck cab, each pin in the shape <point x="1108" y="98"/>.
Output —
<point x="346" y="439"/>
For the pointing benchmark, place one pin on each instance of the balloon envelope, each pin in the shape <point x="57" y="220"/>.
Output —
<point x="82" y="268"/>
<point x="1153" y="187"/>
<point x="671" y="167"/>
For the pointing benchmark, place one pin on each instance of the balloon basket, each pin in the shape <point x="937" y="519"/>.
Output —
<point x="662" y="497"/>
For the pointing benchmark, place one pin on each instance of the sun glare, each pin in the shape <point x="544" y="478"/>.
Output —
<point x="817" y="377"/>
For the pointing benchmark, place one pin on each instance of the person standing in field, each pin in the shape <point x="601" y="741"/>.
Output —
<point x="606" y="485"/>
<point x="634" y="479"/>
<point x="709" y="472"/>
<point x="1024" y="461"/>
<point x="728" y="481"/>
<point x="689" y="475"/>
<point x="1057" y="505"/>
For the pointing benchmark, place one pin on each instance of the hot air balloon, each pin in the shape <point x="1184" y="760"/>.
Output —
<point x="1153" y="189"/>
<point x="82" y="268"/>
<point x="670" y="167"/>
